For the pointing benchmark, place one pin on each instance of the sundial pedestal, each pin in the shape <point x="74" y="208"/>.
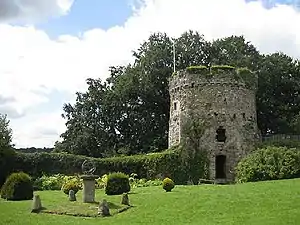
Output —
<point x="89" y="188"/>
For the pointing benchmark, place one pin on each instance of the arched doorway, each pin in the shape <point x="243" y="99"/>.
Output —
<point x="220" y="164"/>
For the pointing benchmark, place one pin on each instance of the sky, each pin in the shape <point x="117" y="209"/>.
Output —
<point x="49" y="48"/>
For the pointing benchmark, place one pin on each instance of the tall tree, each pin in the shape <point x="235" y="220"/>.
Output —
<point x="5" y="133"/>
<point x="6" y="148"/>
<point x="129" y="112"/>
<point x="278" y="101"/>
<point x="235" y="51"/>
<point x="90" y="122"/>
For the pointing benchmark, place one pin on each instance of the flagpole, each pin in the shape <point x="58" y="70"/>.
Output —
<point x="174" y="59"/>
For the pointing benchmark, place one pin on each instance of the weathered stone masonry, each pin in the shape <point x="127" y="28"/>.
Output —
<point x="227" y="102"/>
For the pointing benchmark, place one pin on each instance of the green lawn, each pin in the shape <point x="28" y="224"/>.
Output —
<point x="274" y="202"/>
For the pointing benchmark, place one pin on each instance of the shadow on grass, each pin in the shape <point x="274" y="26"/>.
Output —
<point x="114" y="206"/>
<point x="38" y="210"/>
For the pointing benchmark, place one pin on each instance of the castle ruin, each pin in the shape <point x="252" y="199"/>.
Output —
<point x="224" y="98"/>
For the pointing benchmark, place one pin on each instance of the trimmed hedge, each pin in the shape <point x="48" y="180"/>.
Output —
<point x="145" y="166"/>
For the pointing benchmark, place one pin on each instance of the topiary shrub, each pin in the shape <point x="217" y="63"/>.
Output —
<point x="271" y="163"/>
<point x="168" y="184"/>
<point x="18" y="186"/>
<point x="117" y="183"/>
<point x="71" y="185"/>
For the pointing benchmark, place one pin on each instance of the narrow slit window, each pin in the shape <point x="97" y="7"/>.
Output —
<point x="244" y="116"/>
<point x="221" y="134"/>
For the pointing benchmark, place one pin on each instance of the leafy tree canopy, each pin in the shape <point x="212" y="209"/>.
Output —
<point x="128" y="113"/>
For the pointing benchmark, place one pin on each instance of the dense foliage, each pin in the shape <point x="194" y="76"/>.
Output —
<point x="54" y="182"/>
<point x="117" y="183"/>
<point x="168" y="184"/>
<point x="128" y="113"/>
<point x="18" y="186"/>
<point x="73" y="184"/>
<point x="271" y="163"/>
<point x="167" y="163"/>
<point x="136" y="182"/>
<point x="6" y="149"/>
<point x="57" y="181"/>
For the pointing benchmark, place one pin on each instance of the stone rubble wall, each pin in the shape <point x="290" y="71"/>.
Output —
<point x="221" y="101"/>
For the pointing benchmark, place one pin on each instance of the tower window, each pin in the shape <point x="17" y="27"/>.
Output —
<point x="221" y="137"/>
<point x="175" y="105"/>
<point x="244" y="116"/>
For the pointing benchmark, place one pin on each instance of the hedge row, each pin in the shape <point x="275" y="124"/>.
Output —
<point x="145" y="166"/>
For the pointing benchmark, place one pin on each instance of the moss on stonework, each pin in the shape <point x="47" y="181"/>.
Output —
<point x="248" y="77"/>
<point x="222" y="67"/>
<point x="194" y="157"/>
<point x="197" y="69"/>
<point x="243" y="75"/>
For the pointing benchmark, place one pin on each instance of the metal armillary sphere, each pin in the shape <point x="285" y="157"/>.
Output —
<point x="88" y="167"/>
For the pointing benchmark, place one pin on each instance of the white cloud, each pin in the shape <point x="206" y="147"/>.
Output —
<point x="28" y="11"/>
<point x="40" y="130"/>
<point x="32" y="63"/>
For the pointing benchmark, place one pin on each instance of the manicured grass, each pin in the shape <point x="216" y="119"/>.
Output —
<point x="265" y="203"/>
<point x="57" y="202"/>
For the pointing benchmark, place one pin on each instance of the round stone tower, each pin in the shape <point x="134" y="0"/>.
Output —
<point x="224" y="98"/>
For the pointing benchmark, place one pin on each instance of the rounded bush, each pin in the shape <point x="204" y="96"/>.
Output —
<point x="168" y="184"/>
<point x="117" y="183"/>
<point x="71" y="185"/>
<point x="18" y="186"/>
<point x="271" y="163"/>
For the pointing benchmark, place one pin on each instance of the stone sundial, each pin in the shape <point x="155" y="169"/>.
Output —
<point x="88" y="167"/>
<point x="88" y="177"/>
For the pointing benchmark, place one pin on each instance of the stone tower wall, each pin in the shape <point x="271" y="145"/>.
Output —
<point x="224" y="100"/>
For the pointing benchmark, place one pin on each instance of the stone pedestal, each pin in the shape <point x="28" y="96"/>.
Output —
<point x="88" y="188"/>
